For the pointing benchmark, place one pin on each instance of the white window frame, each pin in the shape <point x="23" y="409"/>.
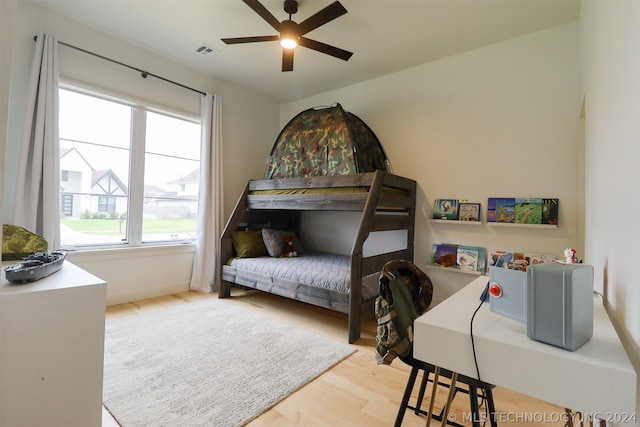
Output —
<point x="135" y="203"/>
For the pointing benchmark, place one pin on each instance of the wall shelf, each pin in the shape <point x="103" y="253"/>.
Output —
<point x="455" y="221"/>
<point x="512" y="224"/>
<point x="453" y="270"/>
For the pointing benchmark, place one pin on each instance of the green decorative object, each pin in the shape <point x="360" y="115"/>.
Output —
<point x="325" y="141"/>
<point x="18" y="243"/>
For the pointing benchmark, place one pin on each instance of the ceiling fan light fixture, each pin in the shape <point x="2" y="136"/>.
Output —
<point x="291" y="34"/>
<point x="288" y="41"/>
<point x="289" y="37"/>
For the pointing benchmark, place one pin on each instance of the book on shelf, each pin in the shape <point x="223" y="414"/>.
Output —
<point x="550" y="211"/>
<point x="528" y="211"/>
<point x="468" y="211"/>
<point x="501" y="259"/>
<point x="508" y="260"/>
<point x="445" y="255"/>
<point x="467" y="259"/>
<point x="538" y="258"/>
<point x="517" y="260"/>
<point x="519" y="263"/>
<point x="501" y="209"/>
<point x="445" y="209"/>
<point x="472" y="258"/>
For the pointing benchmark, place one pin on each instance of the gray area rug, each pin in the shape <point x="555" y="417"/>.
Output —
<point x="207" y="363"/>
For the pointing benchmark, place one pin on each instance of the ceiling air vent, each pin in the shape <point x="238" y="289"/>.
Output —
<point x="205" y="50"/>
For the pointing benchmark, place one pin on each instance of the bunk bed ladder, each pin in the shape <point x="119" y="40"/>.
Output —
<point x="371" y="221"/>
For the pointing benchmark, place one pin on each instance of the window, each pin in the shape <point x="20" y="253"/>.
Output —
<point x="129" y="172"/>
<point x="106" y="204"/>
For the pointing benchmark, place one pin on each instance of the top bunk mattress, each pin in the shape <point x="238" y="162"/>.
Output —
<point x="339" y="192"/>
<point x="322" y="270"/>
<point x="316" y="190"/>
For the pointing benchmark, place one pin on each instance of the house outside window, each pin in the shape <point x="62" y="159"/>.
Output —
<point x="106" y="204"/>
<point x="129" y="172"/>
<point x="66" y="204"/>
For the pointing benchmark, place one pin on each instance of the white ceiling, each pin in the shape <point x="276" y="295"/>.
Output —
<point x="385" y="35"/>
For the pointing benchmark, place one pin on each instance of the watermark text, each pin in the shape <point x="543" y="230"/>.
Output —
<point x="545" y="417"/>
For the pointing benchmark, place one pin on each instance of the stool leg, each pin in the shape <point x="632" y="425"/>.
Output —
<point x="406" y="396"/>
<point x="447" y="407"/>
<point x="492" y="407"/>
<point x="569" y="417"/>
<point x="423" y="387"/>
<point x="436" y="375"/>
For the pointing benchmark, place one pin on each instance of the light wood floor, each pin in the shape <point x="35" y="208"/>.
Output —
<point x="355" y="392"/>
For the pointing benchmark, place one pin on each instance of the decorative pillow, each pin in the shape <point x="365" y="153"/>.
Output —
<point x="274" y="241"/>
<point x="248" y="244"/>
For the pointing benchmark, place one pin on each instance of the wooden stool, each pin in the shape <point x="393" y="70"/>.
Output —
<point x="473" y="385"/>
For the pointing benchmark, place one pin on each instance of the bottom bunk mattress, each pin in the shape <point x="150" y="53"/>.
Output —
<point x="321" y="270"/>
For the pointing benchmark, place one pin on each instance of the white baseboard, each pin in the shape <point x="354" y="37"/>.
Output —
<point x="145" y="292"/>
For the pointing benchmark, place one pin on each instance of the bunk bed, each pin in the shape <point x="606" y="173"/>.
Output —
<point x="387" y="202"/>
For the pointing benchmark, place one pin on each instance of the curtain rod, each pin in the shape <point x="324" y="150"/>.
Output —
<point x="143" y="73"/>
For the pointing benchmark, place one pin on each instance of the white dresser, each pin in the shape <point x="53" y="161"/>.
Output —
<point x="52" y="350"/>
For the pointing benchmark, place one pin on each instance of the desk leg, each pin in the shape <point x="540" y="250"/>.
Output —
<point x="475" y="409"/>
<point x="491" y="406"/>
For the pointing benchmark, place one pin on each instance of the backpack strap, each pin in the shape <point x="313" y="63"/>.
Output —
<point x="395" y="329"/>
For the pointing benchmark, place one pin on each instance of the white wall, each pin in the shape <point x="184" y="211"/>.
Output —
<point x="611" y="50"/>
<point x="499" y="121"/>
<point x="250" y="124"/>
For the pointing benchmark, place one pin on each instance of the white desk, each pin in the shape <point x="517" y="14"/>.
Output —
<point x="52" y="349"/>
<point x="597" y="377"/>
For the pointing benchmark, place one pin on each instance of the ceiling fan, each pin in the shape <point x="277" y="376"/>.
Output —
<point x="292" y="33"/>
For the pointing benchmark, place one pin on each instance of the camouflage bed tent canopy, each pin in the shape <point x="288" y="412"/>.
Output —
<point x="325" y="141"/>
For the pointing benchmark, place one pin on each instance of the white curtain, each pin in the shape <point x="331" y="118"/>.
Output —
<point x="37" y="191"/>
<point x="210" y="208"/>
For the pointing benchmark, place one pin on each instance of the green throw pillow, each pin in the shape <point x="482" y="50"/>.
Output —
<point x="248" y="244"/>
<point x="18" y="243"/>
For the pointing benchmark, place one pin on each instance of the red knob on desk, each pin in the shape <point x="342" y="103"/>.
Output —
<point x="495" y="290"/>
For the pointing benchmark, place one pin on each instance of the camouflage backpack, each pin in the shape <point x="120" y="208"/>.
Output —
<point x="400" y="302"/>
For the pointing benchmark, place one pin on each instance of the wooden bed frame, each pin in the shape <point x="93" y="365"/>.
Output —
<point x="387" y="193"/>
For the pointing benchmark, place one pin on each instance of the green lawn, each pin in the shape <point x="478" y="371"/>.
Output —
<point x="111" y="226"/>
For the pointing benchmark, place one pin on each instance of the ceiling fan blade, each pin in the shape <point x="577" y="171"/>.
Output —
<point x="236" y="40"/>
<point x="325" y="48"/>
<point x="329" y="13"/>
<point x="287" y="59"/>
<point x="263" y="12"/>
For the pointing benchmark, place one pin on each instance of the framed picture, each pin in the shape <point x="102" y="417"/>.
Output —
<point x="469" y="212"/>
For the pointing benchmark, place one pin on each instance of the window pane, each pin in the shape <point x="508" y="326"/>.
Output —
<point x="127" y="175"/>
<point x="171" y="178"/>
<point x="94" y="164"/>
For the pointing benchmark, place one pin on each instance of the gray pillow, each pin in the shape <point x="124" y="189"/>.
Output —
<point x="274" y="241"/>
